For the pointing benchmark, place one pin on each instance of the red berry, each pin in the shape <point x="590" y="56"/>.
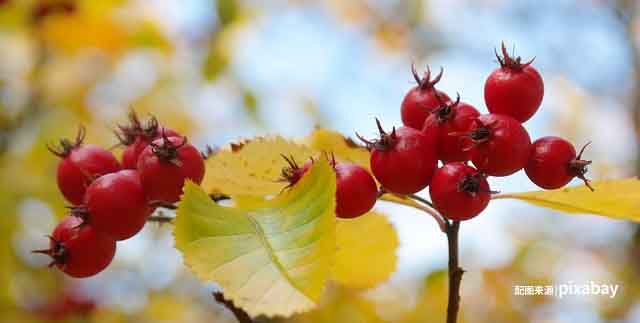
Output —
<point x="459" y="192"/>
<point x="166" y="164"/>
<point x="116" y="205"/>
<point x="404" y="160"/>
<point x="70" y="303"/>
<point x="80" y="165"/>
<point x="136" y="136"/>
<point x="553" y="163"/>
<point x="450" y="122"/>
<point x="78" y="250"/>
<point x="421" y="99"/>
<point x="356" y="190"/>
<point x="500" y="145"/>
<point x="515" y="89"/>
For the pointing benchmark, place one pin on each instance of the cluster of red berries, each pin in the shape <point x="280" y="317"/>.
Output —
<point x="453" y="133"/>
<point x="112" y="200"/>
<point x="437" y="128"/>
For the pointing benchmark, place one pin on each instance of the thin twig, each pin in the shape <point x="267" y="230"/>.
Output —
<point x="455" y="272"/>
<point x="163" y="204"/>
<point x="239" y="313"/>
<point x="428" y="208"/>
<point x="421" y="200"/>
<point x="160" y="219"/>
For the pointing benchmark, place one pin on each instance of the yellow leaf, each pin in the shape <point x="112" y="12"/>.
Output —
<point x="147" y="34"/>
<point x="340" y="305"/>
<point x="71" y="33"/>
<point x="164" y="306"/>
<point x="252" y="167"/>
<point x="361" y="242"/>
<point x="7" y="229"/>
<point x="432" y="300"/>
<point x="344" y="148"/>
<point x="619" y="199"/>
<point x="271" y="257"/>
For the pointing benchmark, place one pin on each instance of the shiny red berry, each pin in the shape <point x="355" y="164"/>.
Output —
<point x="78" y="250"/>
<point x="459" y="192"/>
<point x="356" y="190"/>
<point x="500" y="145"/>
<point x="553" y="163"/>
<point x="421" y="99"/>
<point x="67" y="305"/>
<point x="450" y="122"/>
<point x="515" y="89"/>
<point x="166" y="164"/>
<point x="80" y="165"/>
<point x="137" y="135"/>
<point x="116" y="204"/>
<point x="404" y="160"/>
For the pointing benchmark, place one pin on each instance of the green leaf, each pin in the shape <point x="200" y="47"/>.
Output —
<point x="271" y="257"/>
<point x="619" y="199"/>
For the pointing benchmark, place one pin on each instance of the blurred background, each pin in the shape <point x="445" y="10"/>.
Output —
<point x="229" y="69"/>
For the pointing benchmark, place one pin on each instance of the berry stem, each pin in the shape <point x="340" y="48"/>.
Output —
<point x="428" y="208"/>
<point x="161" y="219"/>
<point x="455" y="272"/>
<point x="421" y="200"/>
<point x="239" y="313"/>
<point x="162" y="204"/>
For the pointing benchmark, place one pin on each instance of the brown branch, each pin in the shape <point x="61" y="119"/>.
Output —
<point x="161" y="219"/>
<point x="239" y="313"/>
<point x="455" y="272"/>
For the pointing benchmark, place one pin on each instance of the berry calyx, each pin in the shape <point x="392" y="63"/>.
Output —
<point x="166" y="164"/>
<point x="553" y="163"/>
<point x="80" y="165"/>
<point x="499" y="144"/>
<point x="386" y="141"/>
<point x="403" y="161"/>
<point x="421" y="99"/>
<point x="116" y="205"/>
<point x="292" y="173"/>
<point x="137" y="135"/>
<point x="515" y="89"/>
<point x="451" y="122"/>
<point x="507" y="61"/>
<point x="459" y="192"/>
<point x="78" y="250"/>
